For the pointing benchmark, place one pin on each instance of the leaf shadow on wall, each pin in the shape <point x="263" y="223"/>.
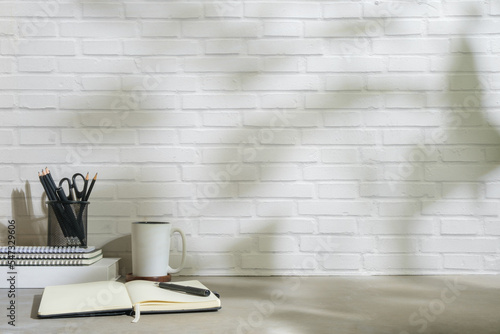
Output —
<point x="463" y="116"/>
<point x="339" y="101"/>
<point x="459" y="117"/>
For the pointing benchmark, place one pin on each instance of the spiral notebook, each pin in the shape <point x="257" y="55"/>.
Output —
<point x="15" y="262"/>
<point x="45" y="249"/>
<point x="32" y="256"/>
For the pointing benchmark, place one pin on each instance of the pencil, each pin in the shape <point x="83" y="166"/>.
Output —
<point x="49" y="187"/>
<point x="85" y="184"/>
<point x="44" y="185"/>
<point x="90" y="188"/>
<point x="56" y="206"/>
<point x="51" y="180"/>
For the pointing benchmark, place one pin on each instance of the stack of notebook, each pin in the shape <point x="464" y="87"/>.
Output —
<point x="49" y="256"/>
<point x="39" y="266"/>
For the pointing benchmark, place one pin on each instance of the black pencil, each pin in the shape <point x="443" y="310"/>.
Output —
<point x="90" y="188"/>
<point x="50" y="188"/>
<point x="85" y="184"/>
<point x="56" y="206"/>
<point x="42" y="181"/>
<point x="51" y="180"/>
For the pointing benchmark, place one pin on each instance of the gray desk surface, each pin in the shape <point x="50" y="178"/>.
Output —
<point x="377" y="304"/>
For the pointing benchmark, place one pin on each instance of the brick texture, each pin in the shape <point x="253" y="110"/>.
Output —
<point x="284" y="137"/>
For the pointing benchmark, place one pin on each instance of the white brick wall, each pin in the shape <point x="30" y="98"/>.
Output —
<point x="284" y="137"/>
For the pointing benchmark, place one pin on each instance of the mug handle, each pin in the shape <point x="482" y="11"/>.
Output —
<point x="183" y="237"/>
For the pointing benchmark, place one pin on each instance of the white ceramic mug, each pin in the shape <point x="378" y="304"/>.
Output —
<point x="151" y="249"/>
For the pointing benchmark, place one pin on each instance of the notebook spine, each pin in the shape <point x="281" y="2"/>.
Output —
<point x="45" y="256"/>
<point x="45" y="262"/>
<point x="44" y="249"/>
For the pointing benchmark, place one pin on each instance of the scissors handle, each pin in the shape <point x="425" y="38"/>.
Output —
<point x="70" y="195"/>
<point x="80" y="194"/>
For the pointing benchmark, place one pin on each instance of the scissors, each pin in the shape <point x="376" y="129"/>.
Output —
<point x="74" y="192"/>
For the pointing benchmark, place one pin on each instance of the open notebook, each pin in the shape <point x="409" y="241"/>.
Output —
<point x="111" y="297"/>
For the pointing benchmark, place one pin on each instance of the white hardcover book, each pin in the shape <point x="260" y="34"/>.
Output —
<point x="36" y="277"/>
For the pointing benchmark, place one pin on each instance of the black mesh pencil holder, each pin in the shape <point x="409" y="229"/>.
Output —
<point x="67" y="223"/>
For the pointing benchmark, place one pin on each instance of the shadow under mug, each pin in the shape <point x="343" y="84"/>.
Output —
<point x="151" y="249"/>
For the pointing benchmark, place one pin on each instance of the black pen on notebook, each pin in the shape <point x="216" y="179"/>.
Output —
<point x="187" y="289"/>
